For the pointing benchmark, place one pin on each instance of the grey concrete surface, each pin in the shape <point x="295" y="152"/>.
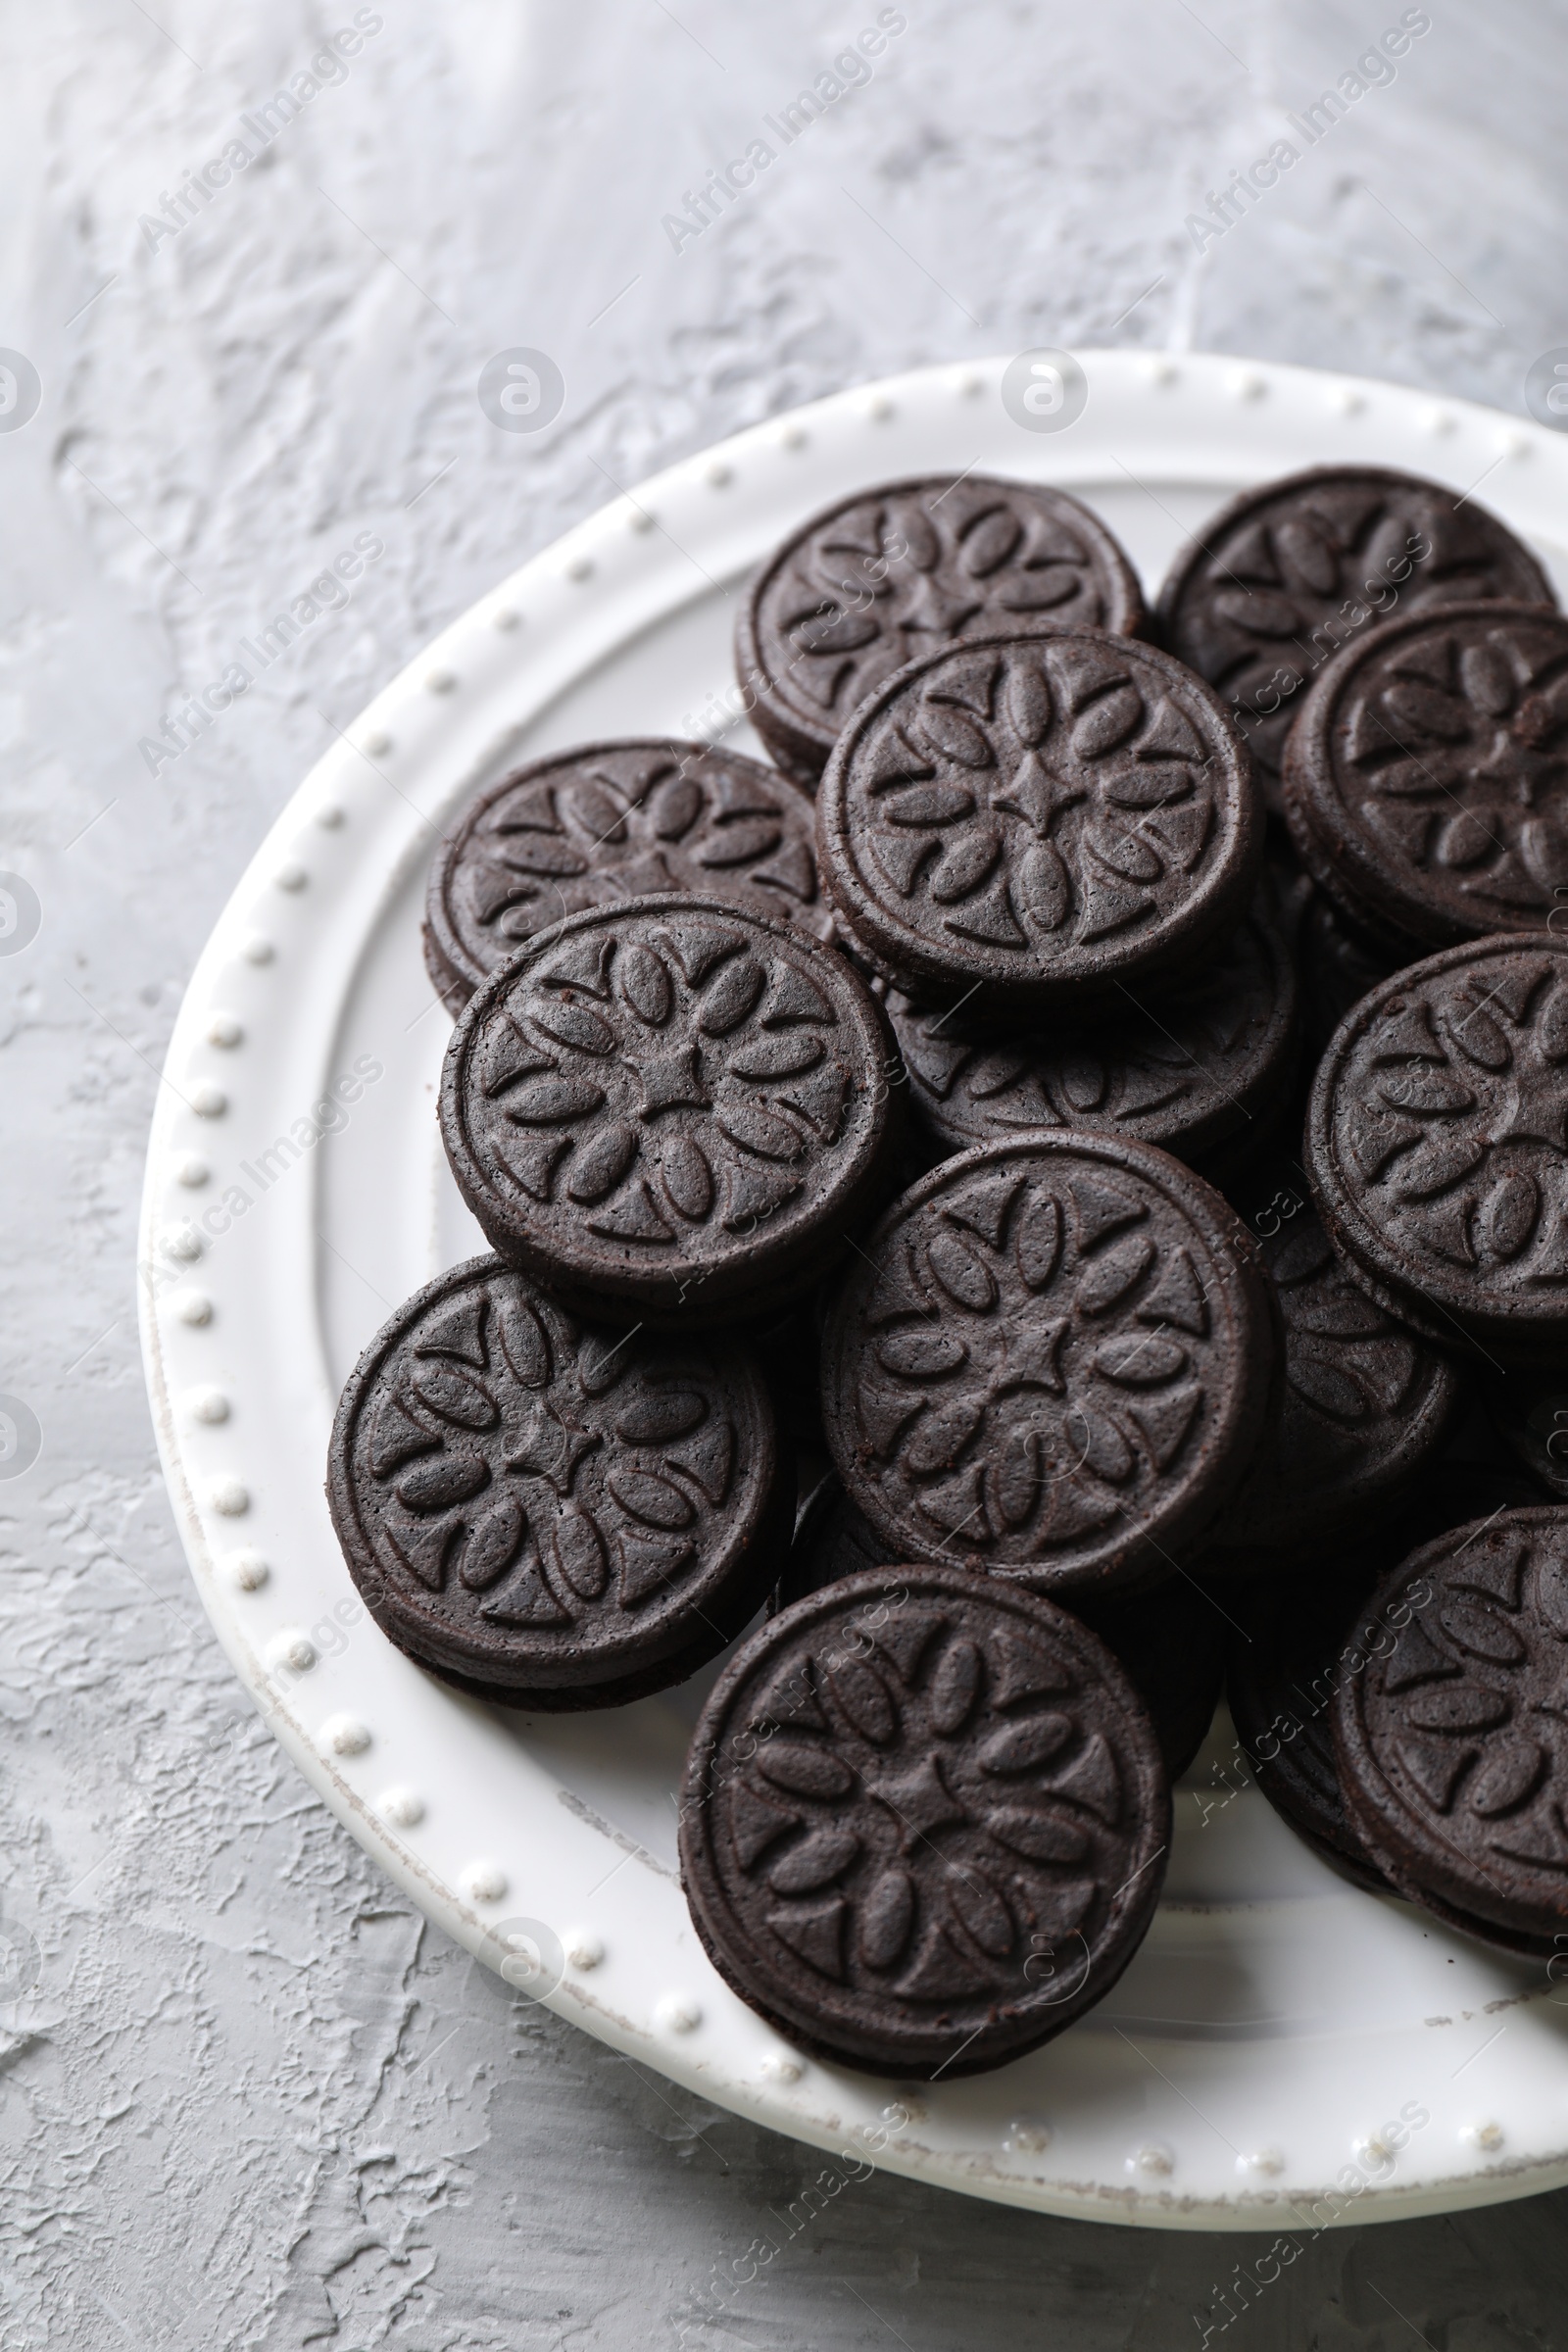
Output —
<point x="246" y="2097"/>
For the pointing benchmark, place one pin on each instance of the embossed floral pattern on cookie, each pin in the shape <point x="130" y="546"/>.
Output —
<point x="1021" y="818"/>
<point x="1438" y="1141"/>
<point x="1452" y="1745"/>
<point x="920" y="1821"/>
<point x="1055" y="1364"/>
<point x="666" y="1102"/>
<point x="528" y="1498"/>
<point x="1427" y="785"/>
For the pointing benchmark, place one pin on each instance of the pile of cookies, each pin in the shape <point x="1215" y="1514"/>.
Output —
<point x="1058" y="1189"/>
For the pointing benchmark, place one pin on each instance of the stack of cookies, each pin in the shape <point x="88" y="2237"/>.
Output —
<point x="1031" y="1186"/>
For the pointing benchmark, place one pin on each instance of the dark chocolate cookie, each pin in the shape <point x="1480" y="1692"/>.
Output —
<point x="1505" y="1940"/>
<point x="553" y="1516"/>
<point x="1018" y="822"/>
<point x="1453" y="1745"/>
<point x="1278" y="581"/>
<point x="891" y="573"/>
<point x="1051" y="1359"/>
<point x="671" y="1106"/>
<point x="1336" y="970"/>
<point x="1298" y="1635"/>
<point x="923" y="1823"/>
<point x="1293" y="1647"/>
<point x="1437" y="1150"/>
<point x="1170" y="1640"/>
<point x="1426" y="780"/>
<point x="611" y="821"/>
<point x="1188" y="1068"/>
<point x="1367" y="1406"/>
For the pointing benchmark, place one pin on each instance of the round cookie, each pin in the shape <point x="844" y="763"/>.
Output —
<point x="1451" y="1747"/>
<point x="886" y="573"/>
<point x="553" y="1516"/>
<point x="1277" y="580"/>
<point x="1300" y="1634"/>
<point x="1367" y="1406"/>
<point x="672" y="1106"/>
<point x="610" y="821"/>
<point x="1051" y="1359"/>
<point x="1437" y="1151"/>
<point x="923" y="1823"/>
<point x="1020" y="823"/>
<point x="1505" y="1939"/>
<point x="1426" y="780"/>
<point x="1170" y="1640"/>
<point x="1191" y="1070"/>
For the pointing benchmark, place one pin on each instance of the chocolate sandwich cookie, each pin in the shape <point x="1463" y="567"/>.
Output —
<point x="1278" y="581"/>
<point x="674" y="1106"/>
<point x="610" y="821"/>
<point x="924" y="1822"/>
<point x="1367" y="1404"/>
<point x="1190" y="1069"/>
<point x="1451" y="1744"/>
<point x="1023" y="823"/>
<point x="1169" y="1639"/>
<point x="1051" y="1359"/>
<point x="1437" y="1150"/>
<point x="1336" y="970"/>
<point x="1519" y="1941"/>
<point x="1299" y="1636"/>
<point x="886" y="574"/>
<point x="553" y="1515"/>
<point x="1426" y="780"/>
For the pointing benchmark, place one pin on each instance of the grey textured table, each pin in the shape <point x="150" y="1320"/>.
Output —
<point x="246" y="2096"/>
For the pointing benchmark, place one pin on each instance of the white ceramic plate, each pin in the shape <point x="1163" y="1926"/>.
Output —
<point x="1244" y="2071"/>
